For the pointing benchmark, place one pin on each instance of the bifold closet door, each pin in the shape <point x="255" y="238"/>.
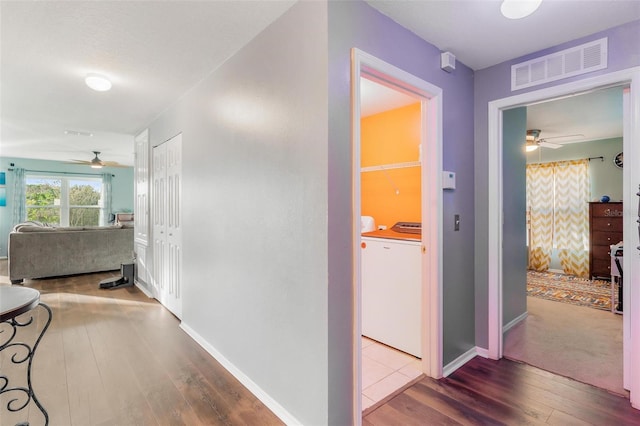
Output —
<point x="167" y="224"/>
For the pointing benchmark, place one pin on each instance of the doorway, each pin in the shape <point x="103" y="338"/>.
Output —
<point x="569" y="327"/>
<point x="430" y="98"/>
<point x="631" y="177"/>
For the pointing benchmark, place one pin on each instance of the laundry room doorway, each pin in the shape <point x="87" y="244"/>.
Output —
<point x="417" y="239"/>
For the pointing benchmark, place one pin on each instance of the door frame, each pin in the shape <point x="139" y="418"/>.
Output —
<point x="631" y="178"/>
<point x="431" y="175"/>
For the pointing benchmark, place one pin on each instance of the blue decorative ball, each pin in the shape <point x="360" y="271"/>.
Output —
<point x="605" y="199"/>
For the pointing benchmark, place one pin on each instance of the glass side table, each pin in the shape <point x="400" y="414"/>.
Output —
<point x="15" y="301"/>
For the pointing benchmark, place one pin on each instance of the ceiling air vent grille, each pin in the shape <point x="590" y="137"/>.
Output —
<point x="566" y="63"/>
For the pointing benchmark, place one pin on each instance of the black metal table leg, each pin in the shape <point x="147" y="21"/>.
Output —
<point x="22" y="353"/>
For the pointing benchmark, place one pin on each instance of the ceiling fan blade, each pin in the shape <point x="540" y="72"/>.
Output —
<point x="567" y="138"/>
<point x="549" y="145"/>
<point x="113" y="164"/>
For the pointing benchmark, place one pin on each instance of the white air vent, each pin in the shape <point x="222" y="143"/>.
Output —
<point x="567" y="63"/>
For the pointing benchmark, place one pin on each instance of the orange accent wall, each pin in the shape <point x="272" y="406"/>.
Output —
<point x="386" y="138"/>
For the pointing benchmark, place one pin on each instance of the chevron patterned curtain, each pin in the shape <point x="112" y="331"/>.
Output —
<point x="557" y="199"/>
<point x="572" y="193"/>
<point x="540" y="206"/>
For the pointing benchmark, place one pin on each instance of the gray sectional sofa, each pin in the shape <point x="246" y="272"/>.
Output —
<point x="39" y="251"/>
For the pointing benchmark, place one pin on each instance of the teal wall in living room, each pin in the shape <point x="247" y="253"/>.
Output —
<point x="122" y="198"/>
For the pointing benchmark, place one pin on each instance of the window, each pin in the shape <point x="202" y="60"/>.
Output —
<point x="65" y="201"/>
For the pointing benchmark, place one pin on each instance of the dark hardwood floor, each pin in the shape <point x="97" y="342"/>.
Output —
<point x="486" y="392"/>
<point x="115" y="357"/>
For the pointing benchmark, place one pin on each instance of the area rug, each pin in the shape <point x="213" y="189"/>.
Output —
<point x="570" y="289"/>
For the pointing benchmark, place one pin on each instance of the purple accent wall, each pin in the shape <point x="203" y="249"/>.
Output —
<point x="495" y="83"/>
<point x="355" y="24"/>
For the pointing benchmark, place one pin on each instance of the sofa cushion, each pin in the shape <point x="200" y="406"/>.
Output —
<point x="33" y="226"/>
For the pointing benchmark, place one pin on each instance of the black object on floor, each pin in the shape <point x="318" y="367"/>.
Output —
<point x="125" y="280"/>
<point x="619" y="305"/>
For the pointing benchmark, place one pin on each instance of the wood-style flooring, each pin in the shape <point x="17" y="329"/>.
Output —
<point x="486" y="392"/>
<point x="115" y="357"/>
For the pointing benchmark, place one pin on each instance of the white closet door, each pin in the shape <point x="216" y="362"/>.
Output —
<point x="174" y="225"/>
<point x="167" y="224"/>
<point x="159" y="214"/>
<point x="141" y="171"/>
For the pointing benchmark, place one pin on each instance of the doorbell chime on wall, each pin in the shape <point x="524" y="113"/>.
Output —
<point x="447" y="61"/>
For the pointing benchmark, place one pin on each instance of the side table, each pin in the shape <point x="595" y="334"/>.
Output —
<point x="15" y="301"/>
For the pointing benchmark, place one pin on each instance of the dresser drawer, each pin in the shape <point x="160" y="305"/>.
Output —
<point x="600" y="238"/>
<point x="606" y="209"/>
<point x="601" y="252"/>
<point x="606" y="224"/>
<point x="601" y="268"/>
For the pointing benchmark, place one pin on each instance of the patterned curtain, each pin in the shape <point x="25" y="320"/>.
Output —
<point x="557" y="199"/>
<point x="106" y="200"/>
<point x="572" y="193"/>
<point x="540" y="206"/>
<point x="19" y="213"/>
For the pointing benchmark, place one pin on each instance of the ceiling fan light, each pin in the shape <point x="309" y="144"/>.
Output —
<point x="98" y="82"/>
<point x="96" y="163"/>
<point x="531" y="146"/>
<point x="517" y="9"/>
<point x="531" y="140"/>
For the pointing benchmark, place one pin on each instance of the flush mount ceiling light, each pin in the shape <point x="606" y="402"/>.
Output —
<point x="517" y="9"/>
<point x="98" y="82"/>
<point x="77" y="133"/>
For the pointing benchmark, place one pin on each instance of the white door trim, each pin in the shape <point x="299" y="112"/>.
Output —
<point x="431" y="142"/>
<point x="631" y="178"/>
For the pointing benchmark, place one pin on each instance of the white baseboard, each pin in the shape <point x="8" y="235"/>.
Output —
<point x="246" y="381"/>
<point x="514" y="322"/>
<point x="484" y="353"/>
<point x="461" y="360"/>
<point x="143" y="289"/>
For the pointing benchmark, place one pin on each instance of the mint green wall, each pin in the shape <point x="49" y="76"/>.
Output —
<point x="606" y="178"/>
<point x="121" y="197"/>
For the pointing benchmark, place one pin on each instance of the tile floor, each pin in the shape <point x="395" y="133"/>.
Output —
<point x="385" y="370"/>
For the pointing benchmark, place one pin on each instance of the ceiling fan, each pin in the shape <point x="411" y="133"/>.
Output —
<point x="97" y="163"/>
<point x="534" y="141"/>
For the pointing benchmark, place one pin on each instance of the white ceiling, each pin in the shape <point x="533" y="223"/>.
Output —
<point x="376" y="98"/>
<point x="153" y="52"/>
<point x="479" y="36"/>
<point x="587" y="117"/>
<point x="156" y="51"/>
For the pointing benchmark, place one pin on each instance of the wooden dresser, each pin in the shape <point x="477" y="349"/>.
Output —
<point x="605" y="229"/>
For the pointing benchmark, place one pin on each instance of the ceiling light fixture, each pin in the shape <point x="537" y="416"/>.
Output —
<point x="517" y="9"/>
<point x="98" y="82"/>
<point x="96" y="163"/>
<point x="532" y="140"/>
<point x="531" y="146"/>
<point x="77" y="133"/>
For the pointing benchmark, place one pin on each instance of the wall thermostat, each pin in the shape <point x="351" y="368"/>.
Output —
<point x="448" y="180"/>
